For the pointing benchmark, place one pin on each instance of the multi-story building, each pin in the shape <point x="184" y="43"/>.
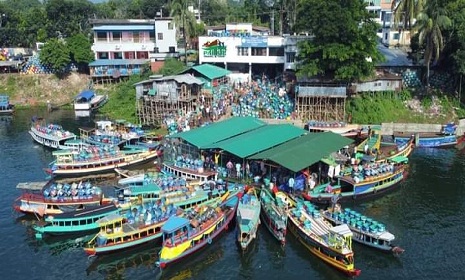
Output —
<point x="122" y="46"/>
<point x="248" y="49"/>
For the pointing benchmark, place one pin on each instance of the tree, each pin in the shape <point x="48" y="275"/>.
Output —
<point x="185" y="19"/>
<point x="172" y="66"/>
<point x="430" y="25"/>
<point x="80" y="51"/>
<point x="344" y="42"/>
<point x="55" y="53"/>
<point x="405" y="11"/>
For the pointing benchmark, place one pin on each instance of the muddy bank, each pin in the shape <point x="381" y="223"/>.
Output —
<point x="37" y="89"/>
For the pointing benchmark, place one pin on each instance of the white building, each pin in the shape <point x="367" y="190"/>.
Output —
<point x="133" y="40"/>
<point x="248" y="49"/>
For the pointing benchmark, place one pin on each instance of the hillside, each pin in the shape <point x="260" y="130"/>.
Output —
<point x="32" y="90"/>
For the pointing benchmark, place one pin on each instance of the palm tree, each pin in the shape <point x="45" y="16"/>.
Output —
<point x="430" y="24"/>
<point x="405" y="11"/>
<point x="182" y="17"/>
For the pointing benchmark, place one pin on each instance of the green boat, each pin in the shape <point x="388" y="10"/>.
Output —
<point x="248" y="218"/>
<point x="77" y="221"/>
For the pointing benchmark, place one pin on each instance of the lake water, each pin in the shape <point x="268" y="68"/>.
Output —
<point x="427" y="215"/>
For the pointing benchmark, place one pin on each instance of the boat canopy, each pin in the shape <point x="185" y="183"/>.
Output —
<point x="110" y="219"/>
<point x="342" y="230"/>
<point x="400" y="159"/>
<point x="174" y="223"/>
<point x="86" y="95"/>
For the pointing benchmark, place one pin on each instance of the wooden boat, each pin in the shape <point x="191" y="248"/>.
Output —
<point x="140" y="225"/>
<point x="365" y="230"/>
<point x="348" y="130"/>
<point x="183" y="236"/>
<point x="331" y="244"/>
<point x="445" y="138"/>
<point x="273" y="214"/>
<point x="98" y="159"/>
<point x="49" y="135"/>
<point x="51" y="198"/>
<point x="360" y="181"/>
<point x="190" y="173"/>
<point x="87" y="100"/>
<point x="6" y="108"/>
<point x="248" y="218"/>
<point x="77" y="221"/>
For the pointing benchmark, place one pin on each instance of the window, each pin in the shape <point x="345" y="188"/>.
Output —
<point x="276" y="51"/>
<point x="385" y="36"/>
<point x="160" y="36"/>
<point x="101" y="36"/>
<point x="396" y="36"/>
<point x="258" y="51"/>
<point x="242" y="51"/>
<point x="116" y="35"/>
<point x="170" y="26"/>
<point x="118" y="55"/>
<point x="136" y="37"/>
<point x="102" y="55"/>
<point x="290" y="57"/>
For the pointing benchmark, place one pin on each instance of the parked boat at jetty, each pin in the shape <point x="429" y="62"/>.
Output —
<point x="248" y="218"/>
<point x="98" y="159"/>
<point x="332" y="244"/>
<point x="445" y="138"/>
<point x="362" y="181"/>
<point x="273" y="214"/>
<point x="354" y="131"/>
<point x="6" y="108"/>
<point x="365" y="230"/>
<point x="88" y="100"/>
<point x="77" y="221"/>
<point x="184" y="236"/>
<point x="50" y="198"/>
<point x="49" y="135"/>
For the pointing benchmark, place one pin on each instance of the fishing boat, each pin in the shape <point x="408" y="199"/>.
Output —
<point x="248" y="218"/>
<point x="356" y="182"/>
<point x="190" y="172"/>
<point x="49" y="135"/>
<point x="97" y="159"/>
<point x="273" y="214"/>
<point x="331" y="244"/>
<point x="445" y="138"/>
<point x="140" y="225"/>
<point x="51" y="198"/>
<point x="6" y="108"/>
<point x="78" y="221"/>
<point x="88" y="100"/>
<point x="182" y="236"/>
<point x="365" y="230"/>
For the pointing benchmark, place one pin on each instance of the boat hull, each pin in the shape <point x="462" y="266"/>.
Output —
<point x="269" y="224"/>
<point x="47" y="140"/>
<point x="121" y="246"/>
<point x="445" y="141"/>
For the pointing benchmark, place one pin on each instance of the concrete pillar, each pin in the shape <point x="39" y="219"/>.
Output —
<point x="250" y="70"/>
<point x="225" y="65"/>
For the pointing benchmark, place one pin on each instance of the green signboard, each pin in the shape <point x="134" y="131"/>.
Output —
<point x="214" y="48"/>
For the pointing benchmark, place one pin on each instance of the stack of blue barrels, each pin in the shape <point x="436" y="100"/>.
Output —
<point x="359" y="221"/>
<point x="34" y="66"/>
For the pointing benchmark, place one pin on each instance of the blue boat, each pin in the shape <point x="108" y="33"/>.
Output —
<point x="447" y="137"/>
<point x="6" y="108"/>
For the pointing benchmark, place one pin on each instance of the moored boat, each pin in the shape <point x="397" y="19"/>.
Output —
<point x="445" y="138"/>
<point x="273" y="214"/>
<point x="97" y="159"/>
<point x="6" y="108"/>
<point x="184" y="236"/>
<point x="50" y="198"/>
<point x="49" y="135"/>
<point x="365" y="230"/>
<point x="248" y="218"/>
<point x="332" y="244"/>
<point x="88" y="100"/>
<point x="362" y="181"/>
<point x="354" y="131"/>
<point x="77" y="221"/>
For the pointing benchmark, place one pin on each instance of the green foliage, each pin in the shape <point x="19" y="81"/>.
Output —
<point x="344" y="46"/>
<point x="172" y="66"/>
<point x="55" y="53"/>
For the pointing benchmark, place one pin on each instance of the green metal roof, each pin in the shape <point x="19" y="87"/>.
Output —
<point x="304" y="151"/>
<point x="260" y="139"/>
<point x="211" y="71"/>
<point x="219" y="131"/>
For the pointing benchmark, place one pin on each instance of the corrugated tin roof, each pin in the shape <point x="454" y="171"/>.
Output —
<point x="322" y="91"/>
<point x="182" y="79"/>
<point x="260" y="139"/>
<point x="124" y="28"/>
<point x="219" y="131"/>
<point x="304" y="151"/>
<point x="210" y="71"/>
<point x="114" y="62"/>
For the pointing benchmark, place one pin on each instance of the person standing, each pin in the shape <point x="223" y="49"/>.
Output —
<point x="229" y="167"/>
<point x="238" y="170"/>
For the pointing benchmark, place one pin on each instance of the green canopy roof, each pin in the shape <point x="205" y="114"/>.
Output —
<point x="210" y="71"/>
<point x="260" y="139"/>
<point x="219" y="131"/>
<point x="304" y="151"/>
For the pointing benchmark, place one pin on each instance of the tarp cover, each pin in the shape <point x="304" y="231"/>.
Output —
<point x="86" y="94"/>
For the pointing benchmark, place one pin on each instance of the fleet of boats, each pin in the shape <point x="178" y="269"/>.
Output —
<point x="188" y="206"/>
